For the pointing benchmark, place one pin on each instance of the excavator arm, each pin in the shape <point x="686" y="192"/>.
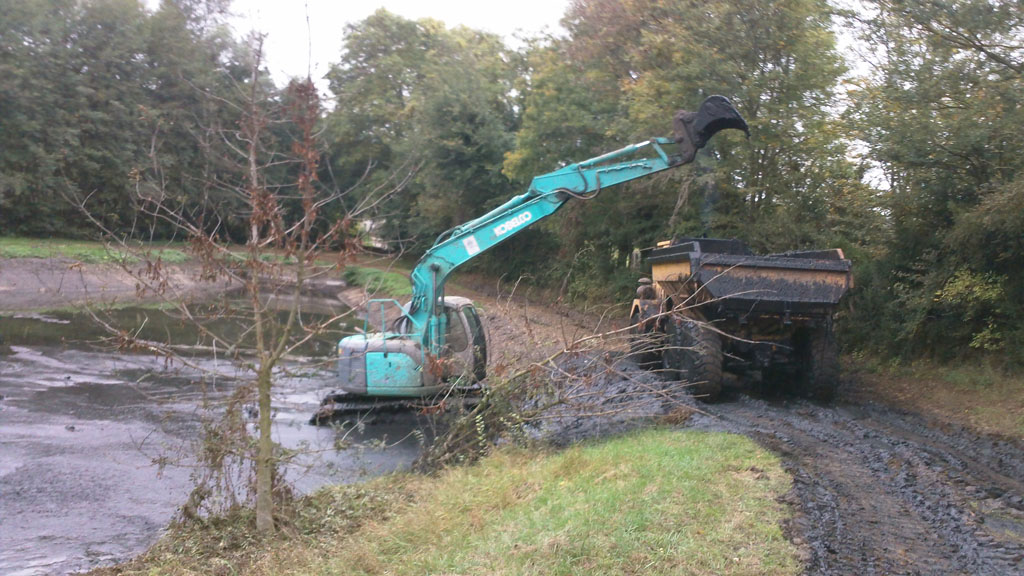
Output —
<point x="411" y="361"/>
<point x="548" y="193"/>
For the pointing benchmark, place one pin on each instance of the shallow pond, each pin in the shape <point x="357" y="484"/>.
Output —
<point x="96" y="442"/>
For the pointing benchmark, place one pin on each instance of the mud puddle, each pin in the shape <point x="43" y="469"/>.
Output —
<point x="96" y="443"/>
<point x="880" y="491"/>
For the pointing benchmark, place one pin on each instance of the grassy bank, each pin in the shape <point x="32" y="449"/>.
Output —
<point x="657" y="502"/>
<point x="979" y="395"/>
<point x="382" y="283"/>
<point x="87" y="251"/>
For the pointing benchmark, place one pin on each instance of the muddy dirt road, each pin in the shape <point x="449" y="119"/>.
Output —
<point x="877" y="490"/>
<point x="881" y="491"/>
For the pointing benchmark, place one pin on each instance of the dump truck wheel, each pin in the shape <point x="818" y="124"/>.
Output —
<point x="818" y="355"/>
<point x="693" y="354"/>
<point x="644" y="344"/>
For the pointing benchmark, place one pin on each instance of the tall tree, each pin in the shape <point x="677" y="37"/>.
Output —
<point x="941" y="118"/>
<point x="38" y="102"/>
<point x="195" y="65"/>
<point x="628" y="65"/>
<point x="109" y="61"/>
<point x="462" y="123"/>
<point x="98" y="92"/>
<point x="417" y="97"/>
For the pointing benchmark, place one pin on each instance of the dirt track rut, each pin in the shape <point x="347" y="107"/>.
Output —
<point x="879" y="491"/>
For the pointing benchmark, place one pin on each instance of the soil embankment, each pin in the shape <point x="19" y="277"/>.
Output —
<point x="52" y="283"/>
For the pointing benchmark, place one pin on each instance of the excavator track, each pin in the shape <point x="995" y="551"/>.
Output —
<point x="342" y="405"/>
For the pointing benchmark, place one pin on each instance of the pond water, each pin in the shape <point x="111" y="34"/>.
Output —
<point x="95" y="442"/>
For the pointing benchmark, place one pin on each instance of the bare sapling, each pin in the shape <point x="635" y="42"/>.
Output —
<point x="298" y="234"/>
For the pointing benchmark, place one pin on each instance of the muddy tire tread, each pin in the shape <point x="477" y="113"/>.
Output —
<point x="694" y="354"/>
<point x="819" y="371"/>
<point x="643" y="346"/>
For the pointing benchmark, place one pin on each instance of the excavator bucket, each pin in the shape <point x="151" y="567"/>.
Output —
<point x="692" y="130"/>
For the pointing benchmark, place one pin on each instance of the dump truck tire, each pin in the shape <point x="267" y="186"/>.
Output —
<point x="693" y="354"/>
<point x="644" y="346"/>
<point x="818" y="356"/>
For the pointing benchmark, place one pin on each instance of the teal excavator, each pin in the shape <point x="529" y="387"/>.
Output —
<point x="436" y="342"/>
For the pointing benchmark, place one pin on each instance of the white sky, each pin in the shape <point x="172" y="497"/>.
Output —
<point x="290" y="42"/>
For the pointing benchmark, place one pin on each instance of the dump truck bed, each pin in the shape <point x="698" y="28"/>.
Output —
<point x="738" y="282"/>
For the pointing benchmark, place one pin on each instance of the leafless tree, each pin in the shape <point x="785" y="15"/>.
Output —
<point x="290" y="246"/>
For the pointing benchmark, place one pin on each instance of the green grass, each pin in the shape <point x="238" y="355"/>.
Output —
<point x="91" y="252"/>
<point x="661" y="502"/>
<point x="973" y="377"/>
<point x="977" y="394"/>
<point x="657" y="502"/>
<point x="383" y="283"/>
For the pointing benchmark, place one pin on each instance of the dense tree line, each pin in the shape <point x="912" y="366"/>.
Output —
<point x="942" y="119"/>
<point x="910" y="164"/>
<point x="108" y="105"/>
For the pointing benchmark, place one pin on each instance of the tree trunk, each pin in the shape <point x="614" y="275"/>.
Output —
<point x="264" y="458"/>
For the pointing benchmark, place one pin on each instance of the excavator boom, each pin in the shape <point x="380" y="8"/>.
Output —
<point x="428" y="315"/>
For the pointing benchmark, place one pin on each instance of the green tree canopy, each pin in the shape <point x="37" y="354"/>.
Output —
<point x="99" y="95"/>
<point x="628" y="65"/>
<point x="415" y="97"/>
<point x="942" y="118"/>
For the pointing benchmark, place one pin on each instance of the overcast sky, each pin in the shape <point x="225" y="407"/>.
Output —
<point x="292" y="48"/>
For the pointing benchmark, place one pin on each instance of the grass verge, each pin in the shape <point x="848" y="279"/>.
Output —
<point x="90" y="252"/>
<point x="382" y="283"/>
<point x="656" y="502"/>
<point x="979" y="396"/>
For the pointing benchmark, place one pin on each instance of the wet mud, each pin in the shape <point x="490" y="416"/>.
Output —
<point x="96" y="444"/>
<point x="877" y="490"/>
<point x="880" y="491"/>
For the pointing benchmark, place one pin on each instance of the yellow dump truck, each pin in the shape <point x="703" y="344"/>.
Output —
<point x="711" y="305"/>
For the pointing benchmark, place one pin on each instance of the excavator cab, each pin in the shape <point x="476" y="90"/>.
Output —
<point x="464" y="354"/>
<point x="394" y="362"/>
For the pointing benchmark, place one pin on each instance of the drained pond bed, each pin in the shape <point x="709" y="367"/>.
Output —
<point x="97" y="442"/>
